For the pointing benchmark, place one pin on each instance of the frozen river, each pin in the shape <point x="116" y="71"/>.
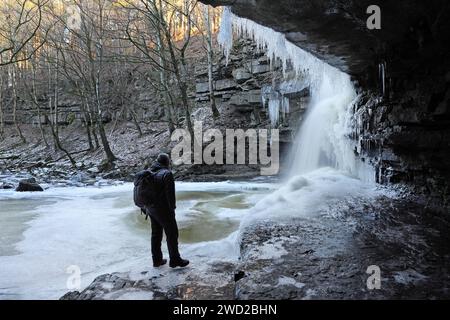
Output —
<point x="45" y="236"/>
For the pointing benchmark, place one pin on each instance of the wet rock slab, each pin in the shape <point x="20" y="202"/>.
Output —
<point x="116" y="286"/>
<point x="328" y="257"/>
<point x="214" y="282"/>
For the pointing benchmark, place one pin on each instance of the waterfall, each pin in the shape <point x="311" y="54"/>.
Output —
<point x="323" y="138"/>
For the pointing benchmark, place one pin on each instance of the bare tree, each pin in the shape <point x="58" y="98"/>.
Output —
<point x="210" y="54"/>
<point x="13" y="71"/>
<point x="86" y="64"/>
<point x="21" y="22"/>
<point x="2" y="82"/>
<point x="33" y="95"/>
<point x="150" y="27"/>
<point x="45" y="58"/>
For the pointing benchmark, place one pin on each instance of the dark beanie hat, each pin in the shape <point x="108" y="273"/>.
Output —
<point x="163" y="159"/>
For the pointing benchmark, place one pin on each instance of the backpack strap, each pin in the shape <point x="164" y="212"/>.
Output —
<point x="144" y="212"/>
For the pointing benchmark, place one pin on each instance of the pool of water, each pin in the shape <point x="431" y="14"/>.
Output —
<point x="99" y="230"/>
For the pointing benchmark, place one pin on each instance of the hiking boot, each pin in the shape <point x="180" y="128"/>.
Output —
<point x="179" y="263"/>
<point x="159" y="263"/>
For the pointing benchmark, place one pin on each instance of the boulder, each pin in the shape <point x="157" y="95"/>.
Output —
<point x="28" y="185"/>
<point x="94" y="170"/>
<point x="247" y="98"/>
<point x="257" y="68"/>
<point x="260" y="68"/>
<point x="241" y="75"/>
<point x="114" y="174"/>
<point x="6" y="186"/>
<point x="79" y="177"/>
<point x="104" y="166"/>
<point x="201" y="87"/>
<point x="225" y="84"/>
<point x="106" y="117"/>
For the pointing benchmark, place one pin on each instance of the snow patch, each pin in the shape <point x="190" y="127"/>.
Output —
<point x="129" y="294"/>
<point x="287" y="281"/>
<point x="408" y="276"/>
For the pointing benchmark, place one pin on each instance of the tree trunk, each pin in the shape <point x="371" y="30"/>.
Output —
<point x="86" y="123"/>
<point x="56" y="95"/>
<point x="88" y="133"/>
<point x="50" y="95"/>
<point x="101" y="129"/>
<point x="2" y="125"/>
<point x="210" y="52"/>
<point x="96" y="73"/>
<point x="41" y="128"/>
<point x="106" y="147"/>
<point x="36" y="103"/>
<point x="94" y="134"/>
<point x="59" y="145"/>
<point x="181" y="83"/>
<point x="163" y="83"/>
<point x="91" y="122"/>
<point x="14" y="92"/>
<point x="135" y="121"/>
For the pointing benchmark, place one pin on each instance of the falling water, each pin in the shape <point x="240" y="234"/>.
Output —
<point x="323" y="137"/>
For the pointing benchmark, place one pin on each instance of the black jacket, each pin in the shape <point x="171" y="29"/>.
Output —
<point x="166" y="184"/>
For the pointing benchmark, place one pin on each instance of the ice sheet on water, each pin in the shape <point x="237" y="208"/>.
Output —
<point x="95" y="229"/>
<point x="128" y="187"/>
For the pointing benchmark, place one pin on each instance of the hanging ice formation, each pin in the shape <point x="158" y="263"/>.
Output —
<point x="382" y="75"/>
<point x="323" y="137"/>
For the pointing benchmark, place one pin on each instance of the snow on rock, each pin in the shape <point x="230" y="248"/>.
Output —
<point x="287" y="281"/>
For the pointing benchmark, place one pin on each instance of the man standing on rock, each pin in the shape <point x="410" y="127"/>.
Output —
<point x="162" y="215"/>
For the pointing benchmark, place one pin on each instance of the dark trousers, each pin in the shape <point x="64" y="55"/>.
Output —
<point x="164" y="220"/>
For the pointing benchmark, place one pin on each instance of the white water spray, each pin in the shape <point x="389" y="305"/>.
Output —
<point x="323" y="137"/>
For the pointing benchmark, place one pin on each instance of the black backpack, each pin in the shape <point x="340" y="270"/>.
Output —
<point x="145" y="190"/>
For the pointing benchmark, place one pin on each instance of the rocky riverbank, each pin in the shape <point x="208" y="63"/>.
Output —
<point x="317" y="257"/>
<point x="51" y="167"/>
<point x="328" y="258"/>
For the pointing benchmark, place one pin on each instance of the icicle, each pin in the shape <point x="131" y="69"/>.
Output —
<point x="263" y="100"/>
<point x="382" y="76"/>
<point x="285" y="105"/>
<point x="265" y="93"/>
<point x="225" y="36"/>
<point x="276" y="46"/>
<point x="274" y="111"/>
